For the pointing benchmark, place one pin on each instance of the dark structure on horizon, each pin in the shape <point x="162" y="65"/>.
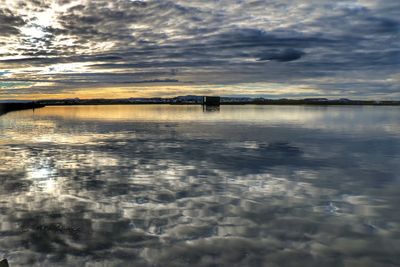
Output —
<point x="211" y="100"/>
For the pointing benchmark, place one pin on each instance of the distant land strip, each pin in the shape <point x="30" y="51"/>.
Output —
<point x="13" y="105"/>
<point x="193" y="99"/>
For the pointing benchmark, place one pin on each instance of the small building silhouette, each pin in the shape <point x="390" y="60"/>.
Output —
<point x="211" y="100"/>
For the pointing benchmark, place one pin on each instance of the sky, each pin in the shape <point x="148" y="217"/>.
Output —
<point x="162" y="48"/>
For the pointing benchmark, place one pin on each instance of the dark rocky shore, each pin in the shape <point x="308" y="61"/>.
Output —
<point x="14" y="106"/>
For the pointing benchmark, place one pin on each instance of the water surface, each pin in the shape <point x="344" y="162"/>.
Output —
<point x="176" y="186"/>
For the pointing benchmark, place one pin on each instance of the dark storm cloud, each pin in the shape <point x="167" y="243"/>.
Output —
<point x="256" y="38"/>
<point x="283" y="56"/>
<point x="9" y="22"/>
<point x="242" y="41"/>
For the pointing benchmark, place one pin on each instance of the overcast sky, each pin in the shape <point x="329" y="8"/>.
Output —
<point x="269" y="48"/>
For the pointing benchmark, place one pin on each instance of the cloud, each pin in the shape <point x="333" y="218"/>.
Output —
<point x="206" y="42"/>
<point x="283" y="56"/>
<point x="4" y="72"/>
<point x="9" y="22"/>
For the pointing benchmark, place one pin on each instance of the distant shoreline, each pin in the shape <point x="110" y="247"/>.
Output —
<point x="198" y="100"/>
<point x="232" y="104"/>
<point x="8" y="106"/>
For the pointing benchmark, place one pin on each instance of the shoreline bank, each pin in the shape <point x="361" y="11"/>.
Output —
<point x="8" y="107"/>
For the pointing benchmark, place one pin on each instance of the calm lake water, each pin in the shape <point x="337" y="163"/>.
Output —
<point x="176" y="186"/>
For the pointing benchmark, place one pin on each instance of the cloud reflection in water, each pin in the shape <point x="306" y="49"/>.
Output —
<point x="248" y="186"/>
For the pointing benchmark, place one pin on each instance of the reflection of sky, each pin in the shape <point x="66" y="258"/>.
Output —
<point x="176" y="187"/>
